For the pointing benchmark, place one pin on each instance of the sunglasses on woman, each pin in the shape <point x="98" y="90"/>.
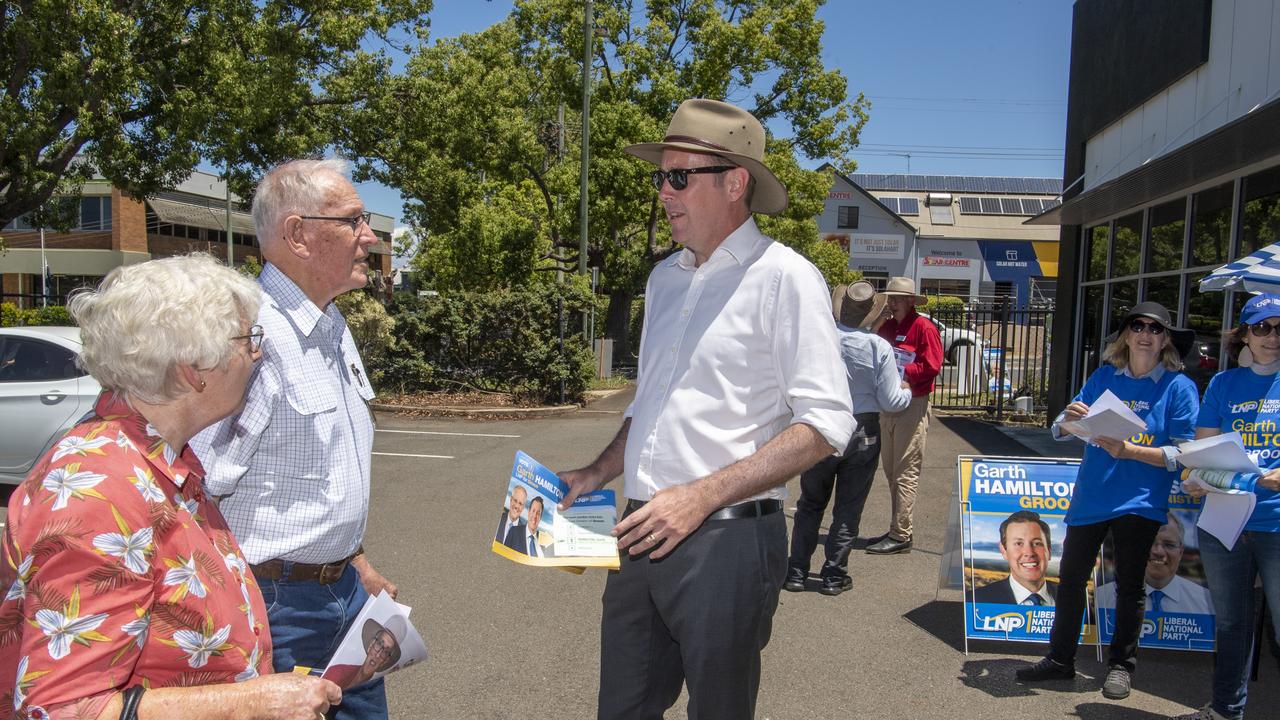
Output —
<point x="1140" y="326"/>
<point x="1263" y="328"/>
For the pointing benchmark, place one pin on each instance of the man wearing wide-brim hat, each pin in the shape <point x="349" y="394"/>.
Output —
<point x="875" y="387"/>
<point x="740" y="388"/>
<point x="918" y="349"/>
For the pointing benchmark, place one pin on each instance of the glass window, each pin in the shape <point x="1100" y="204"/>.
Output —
<point x="847" y="217"/>
<point x="1124" y="295"/>
<point x="1204" y="316"/>
<point x="1090" y="331"/>
<point x="1260" y="215"/>
<point x="1165" y="290"/>
<point x="1165" y="241"/>
<point x="28" y="360"/>
<point x="1211" y="226"/>
<point x="1126" y="246"/>
<point x="1097" y="240"/>
<point x="90" y="213"/>
<point x="942" y="286"/>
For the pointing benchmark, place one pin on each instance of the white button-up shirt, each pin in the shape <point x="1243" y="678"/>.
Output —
<point x="732" y="353"/>
<point x="293" y="466"/>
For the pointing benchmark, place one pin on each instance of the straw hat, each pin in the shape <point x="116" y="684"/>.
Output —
<point x="904" y="287"/>
<point x="857" y="305"/>
<point x="715" y="128"/>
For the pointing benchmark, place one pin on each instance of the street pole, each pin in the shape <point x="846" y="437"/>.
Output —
<point x="231" y="261"/>
<point x="44" y="272"/>
<point x="588" y="40"/>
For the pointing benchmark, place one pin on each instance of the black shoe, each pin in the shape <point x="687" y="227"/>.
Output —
<point x="1117" y="684"/>
<point x="890" y="546"/>
<point x="868" y="542"/>
<point x="795" y="580"/>
<point x="1046" y="669"/>
<point x="835" y="584"/>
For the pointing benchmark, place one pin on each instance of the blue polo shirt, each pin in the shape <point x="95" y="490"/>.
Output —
<point x="1242" y="400"/>
<point x="1107" y="488"/>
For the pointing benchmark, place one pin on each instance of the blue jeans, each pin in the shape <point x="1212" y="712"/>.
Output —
<point x="1231" y="574"/>
<point x="308" y="621"/>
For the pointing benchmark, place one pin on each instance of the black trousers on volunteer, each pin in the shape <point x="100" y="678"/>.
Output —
<point x="701" y="615"/>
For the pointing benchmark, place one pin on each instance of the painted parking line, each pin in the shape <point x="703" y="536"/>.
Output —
<point x="429" y="432"/>
<point x="434" y="457"/>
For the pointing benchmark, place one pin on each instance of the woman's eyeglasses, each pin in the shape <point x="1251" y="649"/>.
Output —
<point x="1140" y="326"/>
<point x="679" y="177"/>
<point x="255" y="336"/>
<point x="1263" y="328"/>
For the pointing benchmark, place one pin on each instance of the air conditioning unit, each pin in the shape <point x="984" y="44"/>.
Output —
<point x="937" y="199"/>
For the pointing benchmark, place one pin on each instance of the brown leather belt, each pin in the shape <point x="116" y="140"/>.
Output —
<point x="325" y="574"/>
<point x="749" y="509"/>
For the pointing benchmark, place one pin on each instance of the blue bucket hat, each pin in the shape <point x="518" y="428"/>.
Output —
<point x="1259" y="308"/>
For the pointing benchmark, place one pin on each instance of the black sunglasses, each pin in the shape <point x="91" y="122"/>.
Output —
<point x="1138" y="326"/>
<point x="1262" y="328"/>
<point x="679" y="177"/>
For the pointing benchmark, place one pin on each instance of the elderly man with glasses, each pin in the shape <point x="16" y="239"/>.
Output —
<point x="292" y="468"/>
<point x="741" y="387"/>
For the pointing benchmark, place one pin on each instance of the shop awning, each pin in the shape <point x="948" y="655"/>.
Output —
<point x="203" y="216"/>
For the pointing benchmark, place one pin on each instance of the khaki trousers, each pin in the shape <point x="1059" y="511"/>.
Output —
<point x="901" y="453"/>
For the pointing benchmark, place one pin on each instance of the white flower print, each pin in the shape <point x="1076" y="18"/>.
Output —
<point x="19" y="587"/>
<point x="199" y="647"/>
<point x="235" y="562"/>
<point x="184" y="575"/>
<point x="69" y="481"/>
<point x="251" y="670"/>
<point x="189" y="505"/>
<point x="76" y="445"/>
<point x="138" y="629"/>
<point x="132" y="548"/>
<point x="248" y="606"/>
<point x="64" y="629"/>
<point x="19" y="696"/>
<point x="123" y="441"/>
<point x="143" y="481"/>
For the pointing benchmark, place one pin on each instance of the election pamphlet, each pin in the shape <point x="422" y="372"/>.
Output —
<point x="1108" y="417"/>
<point x="1216" y="464"/>
<point x="1012" y="527"/>
<point x="532" y="530"/>
<point x="903" y="358"/>
<point x="382" y="640"/>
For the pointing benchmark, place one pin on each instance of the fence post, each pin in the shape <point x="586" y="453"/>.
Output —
<point x="1004" y="359"/>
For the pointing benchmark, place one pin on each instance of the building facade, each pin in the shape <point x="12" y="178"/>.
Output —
<point x="955" y="235"/>
<point x="1172" y="167"/>
<point x="114" y="229"/>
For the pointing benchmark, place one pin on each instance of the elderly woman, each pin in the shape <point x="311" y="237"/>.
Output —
<point x="121" y="574"/>
<point x="1122" y="487"/>
<point x="1246" y="399"/>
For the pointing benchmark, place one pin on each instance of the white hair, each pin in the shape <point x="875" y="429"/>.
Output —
<point x="145" y="320"/>
<point x="297" y="186"/>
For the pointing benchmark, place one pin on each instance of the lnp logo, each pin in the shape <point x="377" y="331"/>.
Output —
<point x="1148" y="627"/>
<point x="1004" y="622"/>
<point x="1244" y="407"/>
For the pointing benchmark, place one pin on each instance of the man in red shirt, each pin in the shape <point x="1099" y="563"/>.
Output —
<point x="917" y="348"/>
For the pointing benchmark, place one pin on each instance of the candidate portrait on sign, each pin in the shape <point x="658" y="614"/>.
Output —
<point x="1026" y="546"/>
<point x="1165" y="590"/>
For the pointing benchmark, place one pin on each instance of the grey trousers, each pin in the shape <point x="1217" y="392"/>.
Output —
<point x="700" y="615"/>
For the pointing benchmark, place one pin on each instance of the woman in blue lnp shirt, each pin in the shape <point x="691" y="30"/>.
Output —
<point x="1122" y="487"/>
<point x="1245" y="399"/>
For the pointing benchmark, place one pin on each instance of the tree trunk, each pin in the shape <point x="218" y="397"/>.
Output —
<point x="617" y="324"/>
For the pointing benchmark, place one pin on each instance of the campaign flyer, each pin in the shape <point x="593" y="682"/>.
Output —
<point x="1012" y="527"/>
<point x="533" y="531"/>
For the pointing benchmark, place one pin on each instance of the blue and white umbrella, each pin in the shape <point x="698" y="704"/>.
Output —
<point x="1256" y="273"/>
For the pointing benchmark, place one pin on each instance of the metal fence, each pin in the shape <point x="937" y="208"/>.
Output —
<point x="996" y="358"/>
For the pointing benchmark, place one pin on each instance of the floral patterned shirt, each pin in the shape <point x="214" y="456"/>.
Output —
<point x="118" y="570"/>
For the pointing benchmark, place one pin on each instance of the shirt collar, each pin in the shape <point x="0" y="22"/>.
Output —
<point x="291" y="300"/>
<point x="1172" y="591"/>
<point x="1268" y="369"/>
<point x="140" y="435"/>
<point x="738" y="246"/>
<point x="1154" y="374"/>
<point x="1020" y="593"/>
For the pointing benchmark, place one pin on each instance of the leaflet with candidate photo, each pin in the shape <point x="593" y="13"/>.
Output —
<point x="381" y="640"/>
<point x="532" y="530"/>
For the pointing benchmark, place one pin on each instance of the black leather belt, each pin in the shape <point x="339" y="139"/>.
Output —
<point x="749" y="509"/>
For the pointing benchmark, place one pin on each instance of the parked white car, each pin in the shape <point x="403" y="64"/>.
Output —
<point x="42" y="394"/>
<point x="954" y="338"/>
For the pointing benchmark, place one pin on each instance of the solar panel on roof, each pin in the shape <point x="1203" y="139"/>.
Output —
<point x="1010" y="206"/>
<point x="1030" y="206"/>
<point x="959" y="183"/>
<point x="970" y="205"/>
<point x="890" y="202"/>
<point x="908" y="206"/>
<point x="990" y="206"/>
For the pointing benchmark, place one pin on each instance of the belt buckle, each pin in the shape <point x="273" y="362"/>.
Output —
<point x="331" y="573"/>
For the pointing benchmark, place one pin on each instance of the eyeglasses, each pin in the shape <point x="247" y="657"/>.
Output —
<point x="679" y="177"/>
<point x="255" y="336"/>
<point x="354" y="221"/>
<point x="1263" y="328"/>
<point x="1140" y="326"/>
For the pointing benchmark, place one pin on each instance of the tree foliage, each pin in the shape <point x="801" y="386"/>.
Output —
<point x="141" y="91"/>
<point x="470" y="133"/>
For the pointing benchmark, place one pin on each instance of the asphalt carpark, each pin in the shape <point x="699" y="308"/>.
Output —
<point x="507" y="641"/>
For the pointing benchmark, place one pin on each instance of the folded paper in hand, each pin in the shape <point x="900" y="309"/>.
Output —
<point x="380" y="641"/>
<point x="1108" y="417"/>
<point x="1225" y="512"/>
<point x="1218" y="452"/>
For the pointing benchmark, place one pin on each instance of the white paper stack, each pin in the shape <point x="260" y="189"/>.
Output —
<point x="1225" y="512"/>
<point x="1108" y="417"/>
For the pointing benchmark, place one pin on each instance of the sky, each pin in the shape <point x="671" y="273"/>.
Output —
<point x="964" y="88"/>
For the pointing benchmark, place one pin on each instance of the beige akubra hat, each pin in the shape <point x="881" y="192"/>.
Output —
<point x="857" y="305"/>
<point x="904" y="286"/>
<point x="712" y="127"/>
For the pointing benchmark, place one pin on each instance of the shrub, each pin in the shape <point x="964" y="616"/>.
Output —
<point x="11" y="315"/>
<point x="8" y="315"/>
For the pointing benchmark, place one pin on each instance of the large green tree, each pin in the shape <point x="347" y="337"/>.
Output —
<point x="142" y="90"/>
<point x="470" y="133"/>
